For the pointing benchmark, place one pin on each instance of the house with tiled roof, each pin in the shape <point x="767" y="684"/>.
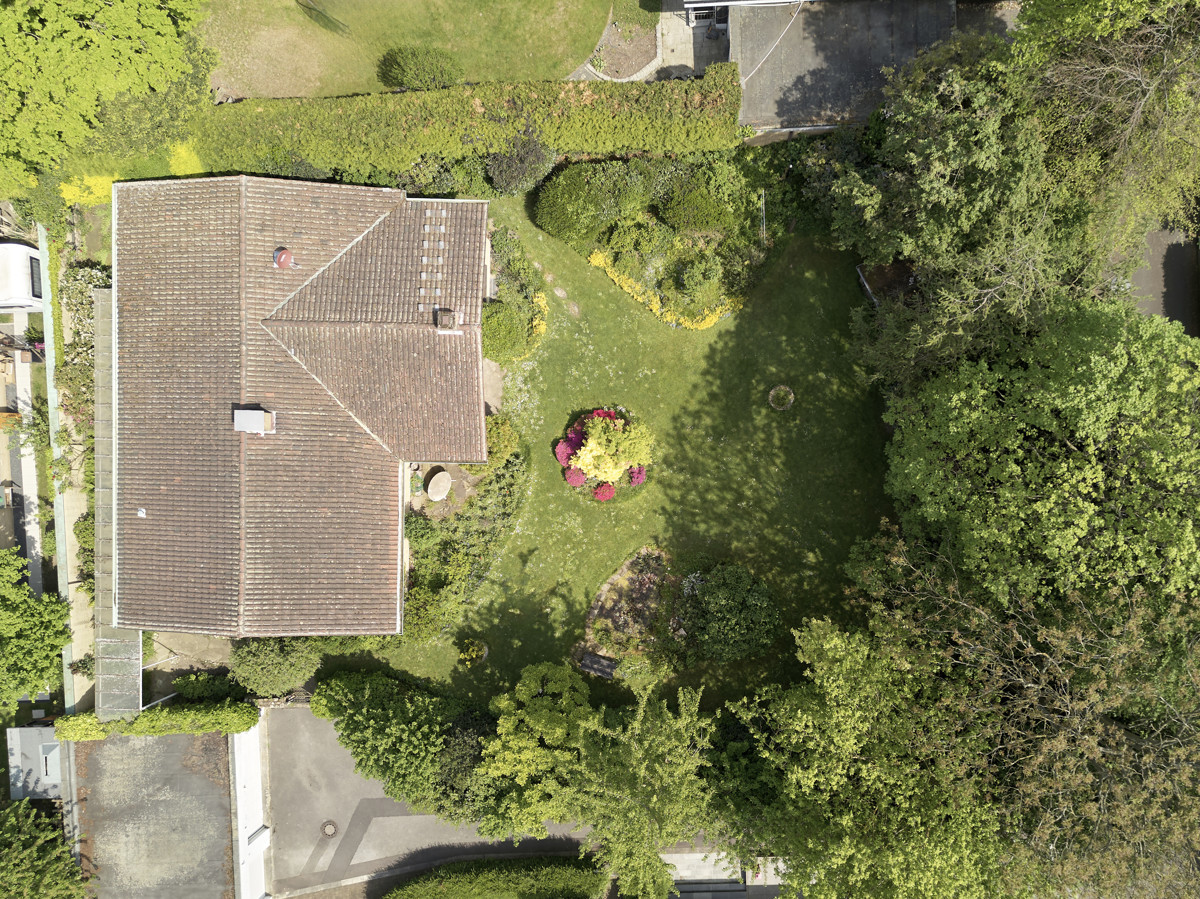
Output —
<point x="283" y="350"/>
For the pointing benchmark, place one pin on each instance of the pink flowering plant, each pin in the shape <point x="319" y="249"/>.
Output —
<point x="605" y="449"/>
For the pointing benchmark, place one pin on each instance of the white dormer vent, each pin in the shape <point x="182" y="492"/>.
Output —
<point x="254" y="421"/>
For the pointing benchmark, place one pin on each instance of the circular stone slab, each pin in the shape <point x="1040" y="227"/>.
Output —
<point x="439" y="486"/>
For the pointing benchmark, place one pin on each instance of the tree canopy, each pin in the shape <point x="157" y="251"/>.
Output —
<point x="34" y="857"/>
<point x="61" y="59"/>
<point x="33" y="631"/>
<point x="1072" y="466"/>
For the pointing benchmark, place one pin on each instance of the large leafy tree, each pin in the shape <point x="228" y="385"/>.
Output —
<point x="34" y="858"/>
<point x="422" y="746"/>
<point x="856" y="777"/>
<point x="33" y="631"/>
<point x="634" y="776"/>
<point x="61" y="59"/>
<point x="1070" y="467"/>
<point x="1088" y="730"/>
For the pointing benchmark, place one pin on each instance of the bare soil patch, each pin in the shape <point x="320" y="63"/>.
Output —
<point x="621" y="619"/>
<point x="624" y="50"/>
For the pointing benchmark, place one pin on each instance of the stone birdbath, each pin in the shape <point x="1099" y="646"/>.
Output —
<point x="439" y="486"/>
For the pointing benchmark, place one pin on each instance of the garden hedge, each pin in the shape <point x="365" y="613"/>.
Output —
<point x="227" y="717"/>
<point x="524" y="878"/>
<point x="361" y="137"/>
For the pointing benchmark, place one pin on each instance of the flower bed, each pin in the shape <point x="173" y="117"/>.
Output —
<point x="604" y="450"/>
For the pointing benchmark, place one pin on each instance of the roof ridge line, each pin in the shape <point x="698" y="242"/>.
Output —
<point x="263" y="324"/>
<point x="346" y="249"/>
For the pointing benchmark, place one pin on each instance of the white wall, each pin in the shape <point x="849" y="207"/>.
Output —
<point x="250" y="831"/>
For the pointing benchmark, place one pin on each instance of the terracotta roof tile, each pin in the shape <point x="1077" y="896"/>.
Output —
<point x="296" y="532"/>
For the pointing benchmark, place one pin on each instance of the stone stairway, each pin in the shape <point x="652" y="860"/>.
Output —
<point x="118" y="650"/>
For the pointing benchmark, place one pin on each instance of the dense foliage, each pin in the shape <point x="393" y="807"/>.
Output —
<point x="449" y="556"/>
<point x="33" y="631"/>
<point x="35" y="859"/>
<point x="1076" y="467"/>
<point x="521" y="166"/>
<point x="676" y="233"/>
<point x="415" y="68"/>
<point x="273" y="666"/>
<point x="424" y="747"/>
<point x="368" y="137"/>
<point x="725" y="614"/>
<point x="226" y="716"/>
<point x="634" y="775"/>
<point x="513" y="322"/>
<point x="61" y="61"/>
<point x="604" y="449"/>
<point x="525" y="878"/>
<point x="854" y="776"/>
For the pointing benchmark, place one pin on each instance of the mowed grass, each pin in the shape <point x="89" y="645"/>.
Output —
<point x="787" y="493"/>
<point x="274" y="48"/>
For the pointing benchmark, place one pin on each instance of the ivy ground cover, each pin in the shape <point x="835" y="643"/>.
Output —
<point x="786" y="493"/>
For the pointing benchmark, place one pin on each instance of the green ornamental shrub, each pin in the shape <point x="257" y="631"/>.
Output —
<point x="418" y="69"/>
<point x="35" y="860"/>
<point x="526" y="878"/>
<point x="612" y="446"/>
<point x="273" y="666"/>
<point x="505" y="331"/>
<point x="692" y="208"/>
<point x="521" y="167"/>
<point x="207" y="686"/>
<point x="727" y="613"/>
<point x="227" y="717"/>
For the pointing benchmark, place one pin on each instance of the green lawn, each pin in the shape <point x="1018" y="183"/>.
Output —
<point x="786" y="492"/>
<point x="273" y="48"/>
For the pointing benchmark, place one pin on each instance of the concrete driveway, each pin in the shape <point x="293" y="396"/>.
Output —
<point x="154" y="814"/>
<point x="310" y="780"/>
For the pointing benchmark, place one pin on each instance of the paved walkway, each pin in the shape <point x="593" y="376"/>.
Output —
<point x="118" y="650"/>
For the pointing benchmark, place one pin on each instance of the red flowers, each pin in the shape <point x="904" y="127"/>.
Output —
<point x="575" y="477"/>
<point x="637" y="475"/>
<point x="563" y="453"/>
<point x="604" y="492"/>
<point x="605" y="413"/>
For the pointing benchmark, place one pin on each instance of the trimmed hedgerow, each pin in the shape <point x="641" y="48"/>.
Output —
<point x="514" y="322"/>
<point x="525" y="878"/>
<point x="368" y="138"/>
<point x="227" y="717"/>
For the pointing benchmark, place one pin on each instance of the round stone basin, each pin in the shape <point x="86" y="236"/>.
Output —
<point x="439" y="486"/>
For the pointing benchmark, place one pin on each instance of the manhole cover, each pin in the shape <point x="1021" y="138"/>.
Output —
<point x="328" y="829"/>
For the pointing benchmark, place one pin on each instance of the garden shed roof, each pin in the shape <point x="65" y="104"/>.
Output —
<point x="297" y="530"/>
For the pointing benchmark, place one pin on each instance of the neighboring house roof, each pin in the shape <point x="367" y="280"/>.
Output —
<point x="819" y="64"/>
<point x="298" y="531"/>
<point x="34" y="763"/>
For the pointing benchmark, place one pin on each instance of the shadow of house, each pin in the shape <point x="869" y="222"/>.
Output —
<point x="820" y="64"/>
<point x="1168" y="283"/>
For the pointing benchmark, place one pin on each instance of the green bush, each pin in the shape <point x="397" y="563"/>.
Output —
<point x="418" y="69"/>
<point x="728" y="614"/>
<point x="85" y="560"/>
<point x="525" y="878"/>
<point x="369" y="138"/>
<point x="35" y="860"/>
<point x="227" y="717"/>
<point x="273" y="666"/>
<point x="692" y="208"/>
<point x="521" y="167"/>
<point x="579" y="202"/>
<point x="502" y="441"/>
<point x="206" y="686"/>
<point x="505" y="331"/>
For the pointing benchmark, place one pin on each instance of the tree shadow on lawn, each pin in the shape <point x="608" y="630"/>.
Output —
<point x="785" y="492"/>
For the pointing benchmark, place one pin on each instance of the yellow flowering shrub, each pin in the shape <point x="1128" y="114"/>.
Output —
<point x="90" y="190"/>
<point x="654" y="303"/>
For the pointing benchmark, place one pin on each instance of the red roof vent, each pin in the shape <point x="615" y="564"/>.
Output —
<point x="283" y="258"/>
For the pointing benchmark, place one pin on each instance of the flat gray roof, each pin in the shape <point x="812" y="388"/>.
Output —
<point x="819" y="63"/>
<point x="34" y="763"/>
